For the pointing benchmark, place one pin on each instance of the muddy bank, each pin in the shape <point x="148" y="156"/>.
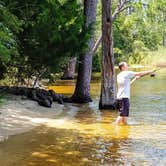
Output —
<point x="18" y="115"/>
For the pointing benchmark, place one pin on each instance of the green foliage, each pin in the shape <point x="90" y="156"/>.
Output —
<point x="157" y="16"/>
<point x="145" y="26"/>
<point x="155" y="57"/>
<point x="123" y="37"/>
<point x="43" y="34"/>
<point x="60" y="32"/>
<point x="9" y="24"/>
<point x="9" y="27"/>
<point x="51" y="32"/>
<point x="139" y="52"/>
<point x="96" y="63"/>
<point x="145" y="30"/>
<point x="118" y="54"/>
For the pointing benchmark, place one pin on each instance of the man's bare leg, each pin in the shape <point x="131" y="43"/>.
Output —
<point x="118" y="120"/>
<point x="121" y="120"/>
<point x="124" y="120"/>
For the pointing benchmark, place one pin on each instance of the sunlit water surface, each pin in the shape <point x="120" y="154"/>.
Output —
<point x="82" y="135"/>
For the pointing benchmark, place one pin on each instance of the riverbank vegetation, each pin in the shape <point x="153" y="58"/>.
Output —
<point x="139" y="34"/>
<point x="41" y="38"/>
<point x="155" y="57"/>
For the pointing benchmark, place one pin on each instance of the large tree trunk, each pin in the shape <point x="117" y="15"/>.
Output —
<point x="70" y="69"/>
<point x="82" y="90"/>
<point x="108" y="84"/>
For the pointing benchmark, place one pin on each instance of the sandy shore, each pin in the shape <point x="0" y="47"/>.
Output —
<point x="19" y="115"/>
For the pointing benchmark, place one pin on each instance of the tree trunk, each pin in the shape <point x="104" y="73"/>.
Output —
<point x="164" y="40"/>
<point x="108" y="83"/>
<point x="82" y="90"/>
<point x="70" y="70"/>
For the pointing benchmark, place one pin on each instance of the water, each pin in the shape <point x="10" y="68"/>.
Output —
<point x="81" y="135"/>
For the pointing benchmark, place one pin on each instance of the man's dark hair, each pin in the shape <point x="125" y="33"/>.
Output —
<point x="121" y="64"/>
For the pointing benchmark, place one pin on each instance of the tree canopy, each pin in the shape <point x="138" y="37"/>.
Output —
<point x="50" y="33"/>
<point x="37" y="35"/>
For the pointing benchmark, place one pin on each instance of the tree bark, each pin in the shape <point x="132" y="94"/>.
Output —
<point x="82" y="90"/>
<point x="108" y="83"/>
<point x="70" y="69"/>
<point x="164" y="40"/>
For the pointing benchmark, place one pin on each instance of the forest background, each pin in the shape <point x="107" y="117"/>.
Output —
<point x="39" y="37"/>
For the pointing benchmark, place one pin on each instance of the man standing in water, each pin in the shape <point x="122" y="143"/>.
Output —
<point x="123" y="95"/>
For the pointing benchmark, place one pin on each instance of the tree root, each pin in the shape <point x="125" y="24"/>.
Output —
<point x="43" y="97"/>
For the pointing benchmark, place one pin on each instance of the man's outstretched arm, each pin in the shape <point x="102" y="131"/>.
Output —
<point x="144" y="73"/>
<point x="138" y="75"/>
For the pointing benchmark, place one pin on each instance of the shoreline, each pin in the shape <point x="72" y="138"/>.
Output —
<point x="19" y="115"/>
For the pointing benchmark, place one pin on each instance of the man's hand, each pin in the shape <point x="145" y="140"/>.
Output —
<point x="137" y="77"/>
<point x="156" y="69"/>
<point x="134" y="79"/>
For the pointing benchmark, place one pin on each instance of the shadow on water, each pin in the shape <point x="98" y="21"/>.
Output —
<point x="51" y="146"/>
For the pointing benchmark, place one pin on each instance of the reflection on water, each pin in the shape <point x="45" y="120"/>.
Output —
<point x="83" y="135"/>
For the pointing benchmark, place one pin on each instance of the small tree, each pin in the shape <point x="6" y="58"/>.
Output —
<point x="70" y="69"/>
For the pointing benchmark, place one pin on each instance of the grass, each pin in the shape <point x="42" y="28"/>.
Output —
<point x="150" y="58"/>
<point x="155" y="57"/>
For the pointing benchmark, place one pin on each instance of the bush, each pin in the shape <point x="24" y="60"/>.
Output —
<point x="139" y="52"/>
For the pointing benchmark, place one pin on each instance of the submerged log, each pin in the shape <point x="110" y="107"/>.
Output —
<point x="43" y="97"/>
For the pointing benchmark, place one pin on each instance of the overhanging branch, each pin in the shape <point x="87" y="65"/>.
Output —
<point x="96" y="45"/>
<point x="121" y="7"/>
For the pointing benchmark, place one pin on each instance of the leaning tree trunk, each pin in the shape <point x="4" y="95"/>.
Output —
<point x="70" y="69"/>
<point x="108" y="84"/>
<point x="82" y="90"/>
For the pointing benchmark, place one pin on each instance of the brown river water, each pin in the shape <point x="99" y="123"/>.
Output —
<point x="81" y="134"/>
